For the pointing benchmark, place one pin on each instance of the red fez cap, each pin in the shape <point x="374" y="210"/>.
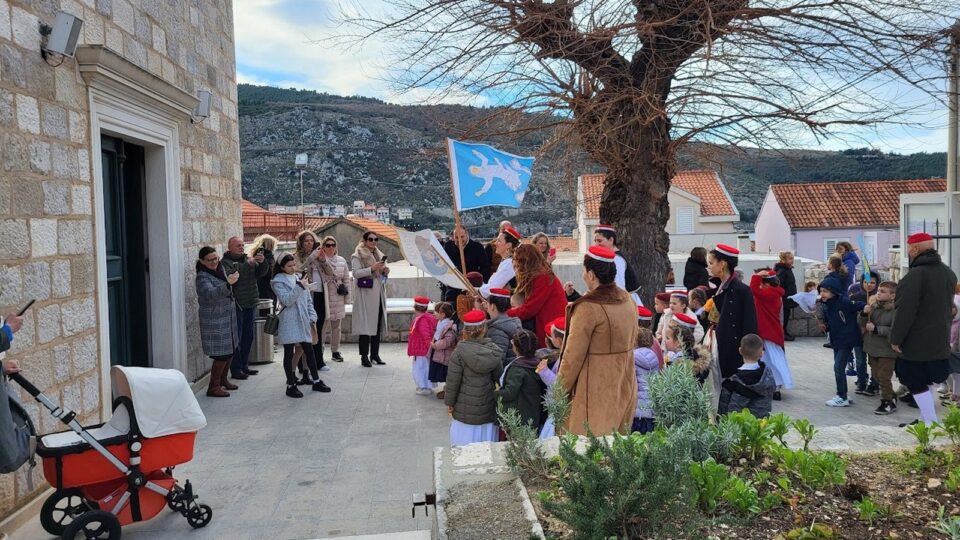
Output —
<point x="606" y="227"/>
<point x="475" y="278"/>
<point x="685" y="320"/>
<point x="421" y="301"/>
<point x="474" y="318"/>
<point x="601" y="254"/>
<point x="919" y="237"/>
<point x="663" y="297"/>
<point x="729" y="251"/>
<point x="502" y="293"/>
<point x="510" y="231"/>
<point x="644" y="314"/>
<point x="560" y="325"/>
<point x="679" y="293"/>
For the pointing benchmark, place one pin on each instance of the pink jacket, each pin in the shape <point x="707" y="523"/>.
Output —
<point x="421" y="333"/>
<point x="443" y="349"/>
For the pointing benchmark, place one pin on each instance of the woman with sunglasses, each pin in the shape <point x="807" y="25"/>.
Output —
<point x="335" y="274"/>
<point x="218" y="318"/>
<point x="370" y="272"/>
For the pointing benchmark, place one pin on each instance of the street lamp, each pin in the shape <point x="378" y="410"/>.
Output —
<point x="301" y="165"/>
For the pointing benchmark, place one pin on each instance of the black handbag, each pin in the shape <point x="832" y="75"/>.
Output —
<point x="342" y="289"/>
<point x="272" y="323"/>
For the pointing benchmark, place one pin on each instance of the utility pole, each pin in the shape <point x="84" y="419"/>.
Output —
<point x="301" y="164"/>
<point x="954" y="106"/>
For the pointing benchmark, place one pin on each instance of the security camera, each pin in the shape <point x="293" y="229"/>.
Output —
<point x="62" y="37"/>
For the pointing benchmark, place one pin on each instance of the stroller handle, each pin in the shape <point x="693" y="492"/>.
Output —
<point x="27" y="385"/>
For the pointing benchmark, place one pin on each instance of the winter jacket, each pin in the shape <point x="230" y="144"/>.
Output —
<point x="501" y="331"/>
<point x="737" y="394"/>
<point x="924" y="307"/>
<point x="695" y="274"/>
<point x="840" y="315"/>
<point x="769" y="303"/>
<point x="443" y="347"/>
<point x="877" y="342"/>
<point x="298" y="312"/>
<point x="545" y="301"/>
<point x="523" y="391"/>
<point x="596" y="363"/>
<point x="476" y="257"/>
<point x="218" y="314"/>
<point x="552" y="356"/>
<point x="645" y="362"/>
<point x="787" y="280"/>
<point x="335" y="305"/>
<point x="738" y="317"/>
<point x="474" y="369"/>
<point x="850" y="260"/>
<point x="421" y="334"/>
<point x="245" y="290"/>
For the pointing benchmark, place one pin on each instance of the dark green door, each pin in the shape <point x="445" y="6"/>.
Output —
<point x="127" y="265"/>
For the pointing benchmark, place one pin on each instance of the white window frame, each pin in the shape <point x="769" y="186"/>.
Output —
<point x="682" y="213"/>
<point x="829" y="250"/>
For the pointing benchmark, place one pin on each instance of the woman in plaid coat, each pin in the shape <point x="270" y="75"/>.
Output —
<point x="218" y="318"/>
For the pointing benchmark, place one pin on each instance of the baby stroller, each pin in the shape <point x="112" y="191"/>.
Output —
<point x="121" y="472"/>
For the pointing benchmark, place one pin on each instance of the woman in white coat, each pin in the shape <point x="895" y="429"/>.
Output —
<point x="296" y="315"/>
<point x="370" y="273"/>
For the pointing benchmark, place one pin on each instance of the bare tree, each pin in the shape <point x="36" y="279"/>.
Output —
<point x="631" y="80"/>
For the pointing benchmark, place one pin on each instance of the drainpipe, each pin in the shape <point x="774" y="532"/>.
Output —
<point x="954" y="101"/>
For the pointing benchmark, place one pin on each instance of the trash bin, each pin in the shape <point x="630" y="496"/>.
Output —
<point x="262" y="348"/>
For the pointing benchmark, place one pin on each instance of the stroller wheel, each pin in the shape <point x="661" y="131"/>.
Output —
<point x="174" y="500"/>
<point x="95" y="524"/>
<point x="61" y="508"/>
<point x="199" y="516"/>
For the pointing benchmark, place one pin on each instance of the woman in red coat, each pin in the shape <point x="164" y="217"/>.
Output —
<point x="544" y="297"/>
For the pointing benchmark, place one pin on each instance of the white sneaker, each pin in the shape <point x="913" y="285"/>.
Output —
<point x="324" y="368"/>
<point x="838" y="401"/>
<point x="424" y="391"/>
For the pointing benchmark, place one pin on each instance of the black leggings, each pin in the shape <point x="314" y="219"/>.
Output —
<point x="788" y="306"/>
<point x="320" y="305"/>
<point x="371" y="344"/>
<point x="288" y="361"/>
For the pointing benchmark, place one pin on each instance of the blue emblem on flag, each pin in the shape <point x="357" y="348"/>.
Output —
<point x="484" y="176"/>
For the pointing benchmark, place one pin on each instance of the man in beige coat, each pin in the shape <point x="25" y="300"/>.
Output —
<point x="596" y="363"/>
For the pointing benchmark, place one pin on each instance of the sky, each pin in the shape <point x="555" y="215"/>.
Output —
<point x="282" y="43"/>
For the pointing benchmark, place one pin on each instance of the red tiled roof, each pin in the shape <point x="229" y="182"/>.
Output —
<point x="248" y="207"/>
<point x="384" y="230"/>
<point x="848" y="204"/>
<point x="705" y="184"/>
<point x="258" y="221"/>
<point x="564" y="243"/>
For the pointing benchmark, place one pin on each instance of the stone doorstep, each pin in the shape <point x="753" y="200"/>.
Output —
<point x="486" y="462"/>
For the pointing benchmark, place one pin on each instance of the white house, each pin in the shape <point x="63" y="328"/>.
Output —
<point x="809" y="219"/>
<point x="404" y="214"/>
<point x="702" y="213"/>
<point x="383" y="214"/>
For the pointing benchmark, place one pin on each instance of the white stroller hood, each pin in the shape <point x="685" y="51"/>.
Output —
<point x="163" y="402"/>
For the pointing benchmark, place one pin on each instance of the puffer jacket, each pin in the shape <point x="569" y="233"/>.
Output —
<point x="787" y="280"/>
<point x="246" y="290"/>
<point x="501" y="331"/>
<point x="646" y="363"/>
<point x="850" y="260"/>
<point x="474" y="369"/>
<point x="877" y="343"/>
<point x="735" y="395"/>
<point x="443" y="348"/>
<point x="695" y="274"/>
<point x="421" y="333"/>
<point x="840" y="315"/>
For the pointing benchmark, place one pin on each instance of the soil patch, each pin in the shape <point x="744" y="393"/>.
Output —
<point x="480" y="511"/>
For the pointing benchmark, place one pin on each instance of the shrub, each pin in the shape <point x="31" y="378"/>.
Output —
<point x="806" y="431"/>
<point x="755" y="434"/>
<point x="951" y="424"/>
<point x="624" y="488"/>
<point x="952" y="483"/>
<point x="525" y="455"/>
<point x="557" y="403"/>
<point x="677" y="397"/>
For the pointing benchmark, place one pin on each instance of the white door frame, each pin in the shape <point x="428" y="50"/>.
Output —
<point x="117" y="113"/>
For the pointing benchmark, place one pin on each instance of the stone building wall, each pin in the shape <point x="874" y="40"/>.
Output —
<point x="46" y="190"/>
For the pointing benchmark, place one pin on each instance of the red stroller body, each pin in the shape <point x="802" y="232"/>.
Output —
<point x="121" y="472"/>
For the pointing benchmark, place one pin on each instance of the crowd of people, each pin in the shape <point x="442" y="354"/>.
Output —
<point x="520" y="330"/>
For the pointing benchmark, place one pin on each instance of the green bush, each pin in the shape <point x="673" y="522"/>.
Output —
<point x="625" y="488"/>
<point x="951" y="424"/>
<point x="524" y="454"/>
<point x="677" y="397"/>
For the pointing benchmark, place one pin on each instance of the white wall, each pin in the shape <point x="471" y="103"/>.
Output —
<point x="773" y="233"/>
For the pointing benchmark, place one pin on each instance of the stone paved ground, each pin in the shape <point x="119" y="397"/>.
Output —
<point x="347" y="463"/>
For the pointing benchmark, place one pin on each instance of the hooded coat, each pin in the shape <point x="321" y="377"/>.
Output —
<point x="786" y="278"/>
<point x="924" y="307"/>
<point x="737" y="395"/>
<point x="850" y="260"/>
<point x="501" y="331"/>
<point x="695" y="274"/>
<point x="596" y="362"/>
<point x="523" y="391"/>
<point x="474" y="369"/>
<point x="840" y="315"/>
<point x="877" y="343"/>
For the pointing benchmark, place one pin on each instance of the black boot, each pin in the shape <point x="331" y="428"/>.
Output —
<point x="365" y="362"/>
<point x="293" y="391"/>
<point x="375" y="351"/>
<point x="318" y="355"/>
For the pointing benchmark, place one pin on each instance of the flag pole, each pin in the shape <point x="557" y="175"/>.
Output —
<point x="463" y="279"/>
<point x="456" y="215"/>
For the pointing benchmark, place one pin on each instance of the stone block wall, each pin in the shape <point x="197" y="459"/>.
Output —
<point x="46" y="190"/>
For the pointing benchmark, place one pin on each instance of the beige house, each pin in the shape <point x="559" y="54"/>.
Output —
<point x="113" y="177"/>
<point x="702" y="213"/>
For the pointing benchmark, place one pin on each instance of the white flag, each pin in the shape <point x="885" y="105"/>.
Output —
<point x="421" y="249"/>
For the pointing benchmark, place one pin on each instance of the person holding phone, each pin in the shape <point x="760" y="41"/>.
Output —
<point x="542" y="241"/>
<point x="11" y="325"/>
<point x="247" y="294"/>
<point x="370" y="273"/>
<point x="219" y="334"/>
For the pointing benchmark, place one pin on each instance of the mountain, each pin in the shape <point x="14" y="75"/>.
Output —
<point x="394" y="155"/>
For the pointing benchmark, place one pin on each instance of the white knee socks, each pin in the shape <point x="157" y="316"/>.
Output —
<point x="928" y="411"/>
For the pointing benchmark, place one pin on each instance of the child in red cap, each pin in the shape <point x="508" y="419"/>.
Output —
<point x="418" y="344"/>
